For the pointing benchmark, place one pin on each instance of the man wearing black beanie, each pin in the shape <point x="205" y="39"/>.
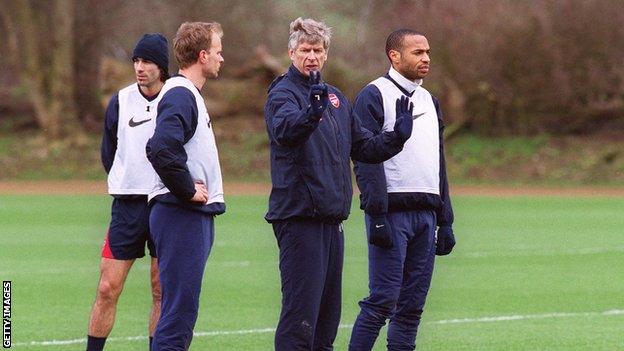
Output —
<point x="153" y="47"/>
<point x="130" y="121"/>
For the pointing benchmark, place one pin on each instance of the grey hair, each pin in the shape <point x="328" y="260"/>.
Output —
<point x="309" y="31"/>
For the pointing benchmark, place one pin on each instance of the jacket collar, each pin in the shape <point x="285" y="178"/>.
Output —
<point x="297" y="76"/>
<point x="405" y="85"/>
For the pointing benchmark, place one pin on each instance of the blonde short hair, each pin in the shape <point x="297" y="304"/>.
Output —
<point x="309" y="31"/>
<point x="191" y="38"/>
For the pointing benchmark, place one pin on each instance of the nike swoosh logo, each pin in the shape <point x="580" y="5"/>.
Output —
<point x="132" y="123"/>
<point x="418" y="115"/>
<point x="378" y="226"/>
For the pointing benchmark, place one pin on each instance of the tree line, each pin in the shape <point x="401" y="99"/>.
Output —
<point x="498" y="66"/>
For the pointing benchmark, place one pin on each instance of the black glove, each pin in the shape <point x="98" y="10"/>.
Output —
<point x="404" y="123"/>
<point x="319" y="98"/>
<point x="445" y="242"/>
<point x="380" y="233"/>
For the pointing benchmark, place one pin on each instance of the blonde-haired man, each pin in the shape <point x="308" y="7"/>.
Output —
<point x="189" y="192"/>
<point x="313" y="136"/>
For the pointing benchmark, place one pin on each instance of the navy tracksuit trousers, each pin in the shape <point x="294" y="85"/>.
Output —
<point x="311" y="258"/>
<point x="183" y="239"/>
<point x="399" y="279"/>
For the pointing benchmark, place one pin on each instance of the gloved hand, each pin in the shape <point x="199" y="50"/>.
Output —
<point x="318" y="97"/>
<point x="404" y="123"/>
<point x="380" y="233"/>
<point x="445" y="242"/>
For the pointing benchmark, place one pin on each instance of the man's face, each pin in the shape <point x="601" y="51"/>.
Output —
<point x="147" y="72"/>
<point x="308" y="57"/>
<point x="413" y="59"/>
<point x="212" y="58"/>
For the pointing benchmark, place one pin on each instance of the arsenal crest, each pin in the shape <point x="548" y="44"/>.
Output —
<point x="334" y="100"/>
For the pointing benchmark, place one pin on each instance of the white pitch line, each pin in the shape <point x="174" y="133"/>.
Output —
<point x="342" y="326"/>
<point x="525" y="252"/>
<point x="528" y="316"/>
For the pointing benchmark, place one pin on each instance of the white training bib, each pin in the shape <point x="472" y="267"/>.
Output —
<point x="131" y="172"/>
<point x="201" y="149"/>
<point x="417" y="167"/>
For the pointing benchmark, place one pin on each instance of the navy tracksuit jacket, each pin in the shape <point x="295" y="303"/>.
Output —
<point x="311" y="195"/>
<point x="310" y="160"/>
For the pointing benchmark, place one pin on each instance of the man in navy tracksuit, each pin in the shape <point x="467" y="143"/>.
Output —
<point x="189" y="192"/>
<point x="404" y="199"/>
<point x="313" y="136"/>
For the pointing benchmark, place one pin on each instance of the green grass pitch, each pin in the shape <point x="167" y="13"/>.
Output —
<point x="528" y="273"/>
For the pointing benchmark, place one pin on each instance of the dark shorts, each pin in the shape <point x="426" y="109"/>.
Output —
<point x="129" y="230"/>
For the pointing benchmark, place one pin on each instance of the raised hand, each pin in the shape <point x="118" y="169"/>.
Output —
<point x="318" y="97"/>
<point x="404" y="124"/>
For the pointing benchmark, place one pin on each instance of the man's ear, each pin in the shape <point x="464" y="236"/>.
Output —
<point x="291" y="54"/>
<point x="203" y="56"/>
<point x="395" y="56"/>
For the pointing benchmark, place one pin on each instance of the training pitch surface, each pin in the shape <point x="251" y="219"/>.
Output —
<point x="528" y="273"/>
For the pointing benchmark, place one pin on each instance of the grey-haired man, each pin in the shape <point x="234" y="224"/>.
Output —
<point x="313" y="136"/>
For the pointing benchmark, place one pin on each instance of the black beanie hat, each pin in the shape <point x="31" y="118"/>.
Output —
<point x="153" y="47"/>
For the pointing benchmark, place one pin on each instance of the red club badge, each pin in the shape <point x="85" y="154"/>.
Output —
<point x="334" y="100"/>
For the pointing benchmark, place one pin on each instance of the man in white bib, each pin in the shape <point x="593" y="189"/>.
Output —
<point x="405" y="199"/>
<point x="129" y="122"/>
<point x="188" y="193"/>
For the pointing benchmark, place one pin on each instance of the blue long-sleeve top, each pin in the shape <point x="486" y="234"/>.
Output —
<point x="175" y="125"/>
<point x="109" y="136"/>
